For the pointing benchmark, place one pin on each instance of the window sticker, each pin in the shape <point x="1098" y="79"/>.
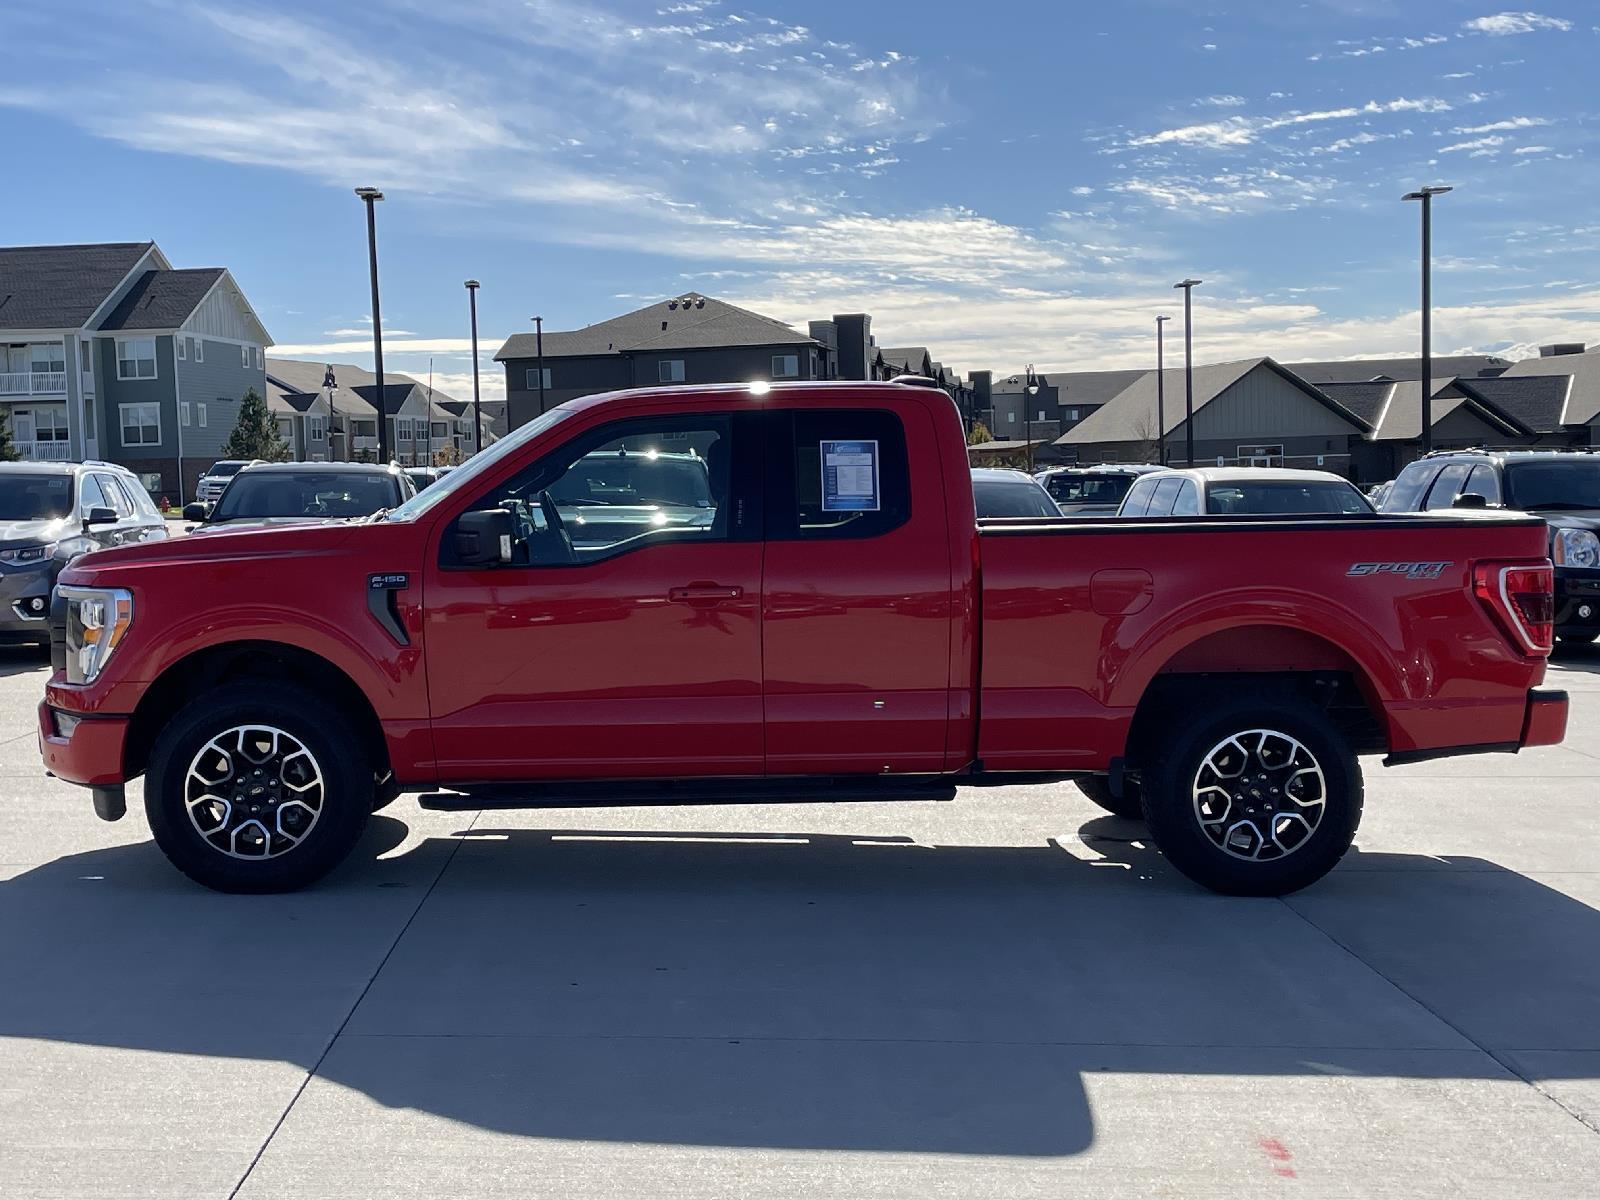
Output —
<point x="850" y="477"/>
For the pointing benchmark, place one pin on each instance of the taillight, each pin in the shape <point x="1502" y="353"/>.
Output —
<point x="1522" y="596"/>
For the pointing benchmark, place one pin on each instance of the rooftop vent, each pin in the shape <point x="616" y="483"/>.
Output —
<point x="672" y="304"/>
<point x="1558" y="348"/>
<point x="700" y="303"/>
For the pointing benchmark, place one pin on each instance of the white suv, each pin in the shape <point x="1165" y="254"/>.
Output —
<point x="215" y="481"/>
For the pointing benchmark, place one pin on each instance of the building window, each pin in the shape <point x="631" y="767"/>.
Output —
<point x="258" y="358"/>
<point x="1072" y="414"/>
<point x="316" y="428"/>
<point x="179" y="344"/>
<point x="199" y="349"/>
<point x="786" y="366"/>
<point x="244" y="357"/>
<point x="670" y="370"/>
<point x="200" y="415"/>
<point x="141" y="424"/>
<point x="50" y="424"/>
<point x="136" y="358"/>
<point x="183" y="412"/>
<point x="533" y="378"/>
<point x="85" y="357"/>
<point x="286" y="429"/>
<point x="441" y="429"/>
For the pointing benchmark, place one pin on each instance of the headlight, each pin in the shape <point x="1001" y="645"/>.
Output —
<point x="1575" y="548"/>
<point x="97" y="620"/>
<point x="28" y="555"/>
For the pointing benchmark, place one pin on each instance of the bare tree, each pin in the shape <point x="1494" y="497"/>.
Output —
<point x="1147" y="438"/>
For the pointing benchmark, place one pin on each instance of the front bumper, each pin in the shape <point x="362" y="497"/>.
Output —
<point x="85" y="750"/>
<point x="1577" y="600"/>
<point x="25" y="601"/>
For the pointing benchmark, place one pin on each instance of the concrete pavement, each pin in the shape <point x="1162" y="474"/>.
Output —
<point x="1007" y="995"/>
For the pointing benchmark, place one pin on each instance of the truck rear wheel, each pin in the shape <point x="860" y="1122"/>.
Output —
<point x="1260" y="797"/>
<point x="257" y="787"/>
<point x="1097" y="788"/>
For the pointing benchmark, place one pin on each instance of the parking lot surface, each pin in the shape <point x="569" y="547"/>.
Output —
<point x="1006" y="995"/>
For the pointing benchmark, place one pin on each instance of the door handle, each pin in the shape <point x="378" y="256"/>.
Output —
<point x="703" y="593"/>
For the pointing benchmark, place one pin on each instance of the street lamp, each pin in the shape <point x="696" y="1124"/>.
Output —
<point x="538" y="351"/>
<point x="1161" y="394"/>
<point x="477" y="409"/>
<point x="370" y="196"/>
<point x="1426" y="195"/>
<point x="1188" y="286"/>
<point x="1031" y="386"/>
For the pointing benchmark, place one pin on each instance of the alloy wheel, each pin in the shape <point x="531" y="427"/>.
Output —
<point x="1259" y="795"/>
<point x="254" y="792"/>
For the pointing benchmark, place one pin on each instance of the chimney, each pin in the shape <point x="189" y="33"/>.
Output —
<point x="1559" y="348"/>
<point x="855" y="345"/>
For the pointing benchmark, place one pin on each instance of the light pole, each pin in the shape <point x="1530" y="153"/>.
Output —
<point x="1188" y="286"/>
<point x="1426" y="195"/>
<point x="477" y="408"/>
<point x="1161" y="394"/>
<point x="538" y="351"/>
<point x="1031" y="388"/>
<point x="370" y="196"/>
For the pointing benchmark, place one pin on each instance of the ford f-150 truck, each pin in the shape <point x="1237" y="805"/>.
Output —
<point x="781" y="591"/>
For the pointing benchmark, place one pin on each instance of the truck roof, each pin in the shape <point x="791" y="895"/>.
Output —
<point x="1255" y="475"/>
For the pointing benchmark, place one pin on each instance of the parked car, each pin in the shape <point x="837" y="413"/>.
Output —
<point x="839" y="626"/>
<point x="1562" y="486"/>
<point x="50" y="513"/>
<point x="1378" y="492"/>
<point x="215" y="481"/>
<point x="1091" y="491"/>
<point x="297" y="493"/>
<point x="1001" y="493"/>
<point x="1243" y="491"/>
<point x="422" y="477"/>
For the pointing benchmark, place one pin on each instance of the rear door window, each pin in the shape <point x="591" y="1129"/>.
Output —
<point x="1162" y="500"/>
<point x="1447" y="486"/>
<point x="1137" y="502"/>
<point x="1484" y="481"/>
<point x="1188" y="502"/>
<point x="1409" y="486"/>
<point x="118" y="498"/>
<point x="90" y="496"/>
<point x="837" y="473"/>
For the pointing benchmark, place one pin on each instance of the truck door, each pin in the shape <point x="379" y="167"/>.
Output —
<point x="857" y="598"/>
<point x="623" y="637"/>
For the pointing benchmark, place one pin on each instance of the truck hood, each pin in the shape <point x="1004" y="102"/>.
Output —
<point x="35" y="533"/>
<point x="239" y="525"/>
<point x="1573" y="518"/>
<point x="255" y="541"/>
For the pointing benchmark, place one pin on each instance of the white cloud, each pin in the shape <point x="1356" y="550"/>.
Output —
<point x="1245" y="130"/>
<point x="1493" y="142"/>
<point x="1502" y="126"/>
<point x="1507" y="23"/>
<point x="1224" y="101"/>
<point x="1532" y="150"/>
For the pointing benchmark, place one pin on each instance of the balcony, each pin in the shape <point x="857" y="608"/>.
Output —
<point x="44" y="451"/>
<point x="33" y="383"/>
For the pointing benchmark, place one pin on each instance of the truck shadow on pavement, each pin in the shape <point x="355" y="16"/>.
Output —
<point x="801" y="991"/>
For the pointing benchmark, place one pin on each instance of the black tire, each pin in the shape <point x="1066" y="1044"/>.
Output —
<point x="1097" y="788"/>
<point x="1578" y="639"/>
<point x="1173" y="813"/>
<point x="343" y="797"/>
<point x="385" y="792"/>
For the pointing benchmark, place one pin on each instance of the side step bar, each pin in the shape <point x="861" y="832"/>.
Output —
<point x="618" y="793"/>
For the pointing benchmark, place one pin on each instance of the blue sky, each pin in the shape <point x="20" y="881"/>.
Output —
<point x="1008" y="182"/>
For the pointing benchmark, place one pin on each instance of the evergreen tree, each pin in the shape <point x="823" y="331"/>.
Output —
<point x="255" y="435"/>
<point x="8" y="449"/>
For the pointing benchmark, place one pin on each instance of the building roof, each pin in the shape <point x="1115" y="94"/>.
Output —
<point x="59" y="287"/>
<point x="1366" y="399"/>
<point x="394" y="394"/>
<point x="1081" y="388"/>
<point x="355" y="387"/>
<point x="1583" y="398"/>
<point x="915" y="359"/>
<point x="1401" y="417"/>
<point x="1535" y="401"/>
<point x="1360" y="370"/>
<point x="162" y="299"/>
<point x="687" y="322"/>
<point x="1130" y="416"/>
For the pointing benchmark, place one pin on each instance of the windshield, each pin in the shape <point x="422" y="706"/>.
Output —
<point x="1004" y="498"/>
<point x="1285" y="497"/>
<point x="222" y="470"/>
<point x="643" y="479"/>
<point x="1088" y="489"/>
<point x="1531" y="486"/>
<point x="466" y="476"/>
<point x="35" y="497"/>
<point x="259" y="494"/>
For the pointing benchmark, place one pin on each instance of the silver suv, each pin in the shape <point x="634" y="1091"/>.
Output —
<point x="215" y="481"/>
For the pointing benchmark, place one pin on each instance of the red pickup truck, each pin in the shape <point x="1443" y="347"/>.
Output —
<point x="781" y="592"/>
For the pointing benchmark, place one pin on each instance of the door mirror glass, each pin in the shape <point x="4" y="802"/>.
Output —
<point x="483" y="538"/>
<point x="195" y="511"/>
<point x="100" y="516"/>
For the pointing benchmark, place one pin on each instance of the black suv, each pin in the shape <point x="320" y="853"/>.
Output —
<point x="1562" y="486"/>
<point x="49" y="514"/>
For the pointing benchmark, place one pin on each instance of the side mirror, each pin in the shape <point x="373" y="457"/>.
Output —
<point x="1470" y="500"/>
<point x="100" y="516"/>
<point x="196" y="511"/>
<point x="483" y="538"/>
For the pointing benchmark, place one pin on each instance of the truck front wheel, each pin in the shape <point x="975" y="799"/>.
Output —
<point x="257" y="786"/>
<point x="1258" y="798"/>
